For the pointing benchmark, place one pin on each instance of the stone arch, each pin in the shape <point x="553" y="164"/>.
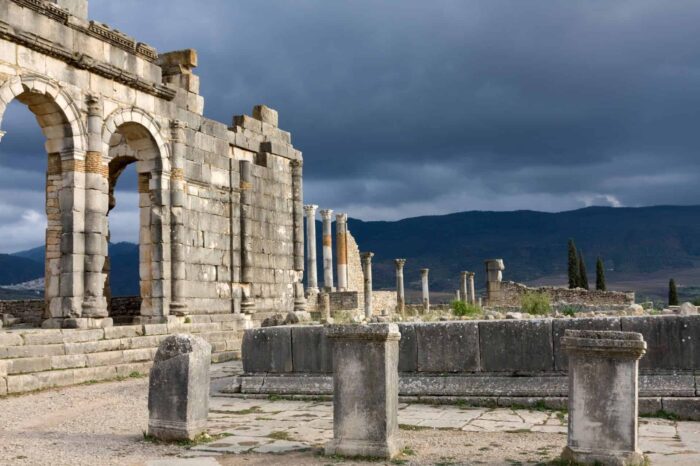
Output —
<point x="61" y="122"/>
<point x="132" y="136"/>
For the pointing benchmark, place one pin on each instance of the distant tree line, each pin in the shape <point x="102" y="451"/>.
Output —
<point x="578" y="276"/>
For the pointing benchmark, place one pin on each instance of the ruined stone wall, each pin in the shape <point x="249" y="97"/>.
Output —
<point x="104" y="99"/>
<point x="511" y="294"/>
<point x="28" y="311"/>
<point x="355" y="276"/>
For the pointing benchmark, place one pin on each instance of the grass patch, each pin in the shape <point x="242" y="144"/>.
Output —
<point x="535" y="303"/>
<point x="518" y="431"/>
<point x="201" y="439"/>
<point x="279" y="435"/>
<point x="662" y="415"/>
<point x="461" y="309"/>
<point x="413" y="428"/>
<point x="408" y="451"/>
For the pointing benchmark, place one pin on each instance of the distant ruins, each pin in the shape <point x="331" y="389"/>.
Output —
<point x="221" y="224"/>
<point x="500" y="294"/>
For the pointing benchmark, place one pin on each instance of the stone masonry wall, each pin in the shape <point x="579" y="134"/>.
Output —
<point x="511" y="293"/>
<point x="355" y="276"/>
<point x="104" y="100"/>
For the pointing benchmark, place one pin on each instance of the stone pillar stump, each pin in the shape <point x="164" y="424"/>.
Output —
<point x="603" y="391"/>
<point x="178" y="392"/>
<point x="365" y="390"/>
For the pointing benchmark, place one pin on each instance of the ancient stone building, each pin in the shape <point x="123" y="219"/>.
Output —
<point x="221" y="205"/>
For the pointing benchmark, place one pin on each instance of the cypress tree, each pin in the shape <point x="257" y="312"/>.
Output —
<point x="582" y="274"/>
<point x="573" y="267"/>
<point x="672" y="293"/>
<point x="599" y="275"/>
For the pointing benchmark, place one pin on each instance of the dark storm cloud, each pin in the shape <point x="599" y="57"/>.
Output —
<point x="411" y="107"/>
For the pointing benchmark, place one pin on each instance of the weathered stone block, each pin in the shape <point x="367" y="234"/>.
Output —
<point x="448" y="347"/>
<point x="365" y="390"/>
<point x="267" y="350"/>
<point x="516" y="346"/>
<point x="670" y="340"/>
<point x="684" y="408"/>
<point x="178" y="396"/>
<point x="559" y="326"/>
<point x="408" y="348"/>
<point x="311" y="351"/>
<point x="266" y="115"/>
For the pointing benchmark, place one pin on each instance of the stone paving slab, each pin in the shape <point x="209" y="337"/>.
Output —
<point x="265" y="426"/>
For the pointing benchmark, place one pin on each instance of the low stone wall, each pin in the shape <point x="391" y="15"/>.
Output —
<point x="123" y="309"/>
<point x="510" y="295"/>
<point x="344" y="301"/>
<point x="485" y="362"/>
<point x="28" y="311"/>
<point x="36" y="359"/>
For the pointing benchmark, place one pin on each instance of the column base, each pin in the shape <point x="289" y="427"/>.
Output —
<point x="363" y="448"/>
<point x="609" y="457"/>
<point x="95" y="307"/>
<point x="178" y="308"/>
<point x="84" y="323"/>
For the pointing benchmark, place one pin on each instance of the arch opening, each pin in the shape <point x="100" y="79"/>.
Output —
<point x="31" y="172"/>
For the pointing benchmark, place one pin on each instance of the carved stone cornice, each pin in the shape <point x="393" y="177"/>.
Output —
<point x="94" y="29"/>
<point x="83" y="61"/>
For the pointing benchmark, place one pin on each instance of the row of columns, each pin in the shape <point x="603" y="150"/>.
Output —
<point x="467" y="291"/>
<point x="341" y="225"/>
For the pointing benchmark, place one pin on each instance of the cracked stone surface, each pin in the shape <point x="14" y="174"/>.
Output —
<point x="103" y="424"/>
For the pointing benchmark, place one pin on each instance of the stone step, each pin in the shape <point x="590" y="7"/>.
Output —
<point x="42" y="343"/>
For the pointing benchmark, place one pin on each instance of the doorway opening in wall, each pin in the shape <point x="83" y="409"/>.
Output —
<point x="122" y="280"/>
<point x="27" y="193"/>
<point x="133" y="276"/>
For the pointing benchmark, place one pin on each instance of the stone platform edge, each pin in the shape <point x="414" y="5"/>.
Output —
<point x="38" y="359"/>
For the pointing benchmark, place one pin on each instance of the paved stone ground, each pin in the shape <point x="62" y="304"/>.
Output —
<point x="103" y="423"/>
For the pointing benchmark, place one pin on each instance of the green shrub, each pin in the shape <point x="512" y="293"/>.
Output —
<point x="569" y="311"/>
<point x="535" y="303"/>
<point x="460" y="308"/>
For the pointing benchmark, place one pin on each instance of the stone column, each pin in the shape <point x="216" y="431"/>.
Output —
<point x="463" y="287"/>
<point x="426" y="289"/>
<point x="494" y="276"/>
<point x="603" y="390"/>
<point x="471" y="290"/>
<point x="177" y="222"/>
<point x="400" y="295"/>
<point x="341" y="242"/>
<point x="367" y="272"/>
<point x="246" y="188"/>
<point x="96" y="208"/>
<point x="365" y="390"/>
<point x="311" y="266"/>
<point x="327" y="216"/>
<point x="298" y="212"/>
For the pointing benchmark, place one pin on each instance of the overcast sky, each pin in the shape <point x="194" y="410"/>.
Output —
<point x="407" y="108"/>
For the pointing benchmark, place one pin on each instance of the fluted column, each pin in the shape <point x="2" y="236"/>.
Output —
<point x="367" y="272"/>
<point x="327" y="240"/>
<point x="463" y="293"/>
<point x="426" y="289"/>
<point x="96" y="208"/>
<point x="311" y="266"/>
<point x="472" y="290"/>
<point x="400" y="296"/>
<point x="177" y="222"/>
<point x="341" y="229"/>
<point x="298" y="213"/>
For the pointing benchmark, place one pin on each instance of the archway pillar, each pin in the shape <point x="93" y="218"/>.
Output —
<point x="96" y="225"/>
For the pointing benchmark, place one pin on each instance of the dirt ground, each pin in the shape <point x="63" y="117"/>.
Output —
<point x="103" y="424"/>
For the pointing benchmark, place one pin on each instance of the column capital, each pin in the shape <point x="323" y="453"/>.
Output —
<point x="465" y="274"/>
<point x="94" y="105"/>
<point x="424" y="271"/>
<point x="177" y="130"/>
<point x="471" y="274"/>
<point x="326" y="214"/>
<point x="341" y="218"/>
<point x="310" y="210"/>
<point x="366" y="256"/>
<point x="399" y="263"/>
